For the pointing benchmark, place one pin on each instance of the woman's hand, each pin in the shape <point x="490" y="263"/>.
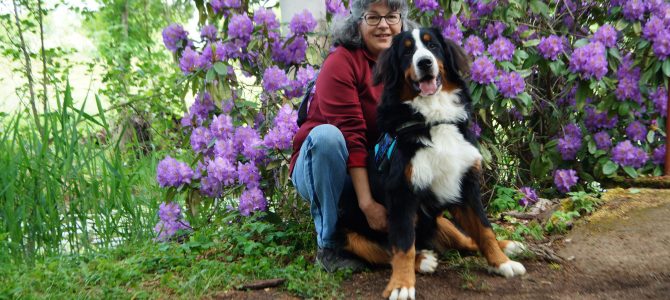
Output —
<point x="375" y="213"/>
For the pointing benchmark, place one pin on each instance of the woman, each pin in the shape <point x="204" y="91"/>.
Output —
<point x="330" y="148"/>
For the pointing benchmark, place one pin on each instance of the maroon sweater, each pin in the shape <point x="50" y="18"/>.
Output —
<point x="345" y="98"/>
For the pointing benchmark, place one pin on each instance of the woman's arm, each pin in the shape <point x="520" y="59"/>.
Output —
<point x="374" y="212"/>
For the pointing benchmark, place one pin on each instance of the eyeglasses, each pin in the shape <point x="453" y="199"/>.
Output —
<point x="374" y="19"/>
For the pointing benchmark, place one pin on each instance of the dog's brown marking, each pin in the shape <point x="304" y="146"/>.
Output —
<point x="426" y="37"/>
<point x="477" y="167"/>
<point x="483" y="236"/>
<point x="409" y="171"/>
<point x="408" y="43"/>
<point x="450" y="237"/>
<point x="407" y="93"/>
<point x="447" y="85"/>
<point x="403" y="271"/>
<point x="366" y="249"/>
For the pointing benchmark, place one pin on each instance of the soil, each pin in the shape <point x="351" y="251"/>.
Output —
<point x="622" y="251"/>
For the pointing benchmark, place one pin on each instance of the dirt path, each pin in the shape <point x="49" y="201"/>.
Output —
<point x="620" y="252"/>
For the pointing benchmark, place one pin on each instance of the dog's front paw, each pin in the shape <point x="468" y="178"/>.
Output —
<point x="514" y="248"/>
<point x="509" y="269"/>
<point x="426" y="262"/>
<point x="403" y="294"/>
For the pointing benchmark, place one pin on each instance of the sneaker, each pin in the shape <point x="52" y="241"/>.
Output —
<point x="333" y="260"/>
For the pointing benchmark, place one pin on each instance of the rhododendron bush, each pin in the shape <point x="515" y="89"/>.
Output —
<point x="565" y="93"/>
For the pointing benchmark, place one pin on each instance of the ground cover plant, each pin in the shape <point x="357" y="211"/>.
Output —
<point x="566" y="94"/>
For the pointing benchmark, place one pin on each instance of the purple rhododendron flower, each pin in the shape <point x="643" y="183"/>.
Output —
<point x="189" y="61"/>
<point x="266" y="17"/>
<point x="661" y="45"/>
<point x="336" y="7"/>
<point x="475" y="129"/>
<point x="211" y="54"/>
<point x="589" y="60"/>
<point x="565" y="179"/>
<point x="529" y="196"/>
<point x="285" y="127"/>
<point x="658" y="156"/>
<point x="595" y="120"/>
<point x="550" y="47"/>
<point x="636" y="131"/>
<point x="219" y="6"/>
<point x="171" y="172"/>
<point x="295" y="51"/>
<point x="305" y="75"/>
<point x="302" y="23"/>
<point x="175" y="37"/>
<point x="248" y="175"/>
<point x="169" y="211"/>
<point x="501" y="49"/>
<point x="426" y="5"/>
<point x="222" y="127"/>
<point x="570" y="143"/>
<point x="603" y="140"/>
<point x="652" y="28"/>
<point x="510" y="84"/>
<point x="208" y="32"/>
<point x="221" y="171"/>
<point x="200" y="139"/>
<point x="453" y="33"/>
<point x="166" y="229"/>
<point x="660" y="99"/>
<point x="274" y="79"/>
<point x="252" y="200"/>
<point x="625" y="154"/>
<point x="483" y="70"/>
<point x="633" y="10"/>
<point x="240" y="27"/>
<point x="629" y="78"/>
<point x="225" y="149"/>
<point x="495" y="30"/>
<point x="607" y="35"/>
<point x="248" y="143"/>
<point x="474" y="46"/>
<point x="200" y="109"/>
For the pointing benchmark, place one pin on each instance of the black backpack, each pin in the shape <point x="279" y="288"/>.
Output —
<point x="306" y="99"/>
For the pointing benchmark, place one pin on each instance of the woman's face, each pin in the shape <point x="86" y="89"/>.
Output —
<point x="378" y="37"/>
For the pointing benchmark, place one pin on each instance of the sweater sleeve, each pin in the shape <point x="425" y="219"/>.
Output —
<point x="337" y="87"/>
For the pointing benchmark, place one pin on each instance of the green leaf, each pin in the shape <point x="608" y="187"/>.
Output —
<point x="477" y="94"/>
<point x="583" y="92"/>
<point x="531" y="43"/>
<point x="650" y="136"/>
<point x="211" y="74"/>
<point x="491" y="92"/>
<point x="539" y="7"/>
<point x="624" y="109"/>
<point x="221" y="68"/>
<point x="592" y="147"/>
<point x="666" y="67"/>
<point x="455" y="7"/>
<point x="610" y="168"/>
<point x="630" y="171"/>
<point x="557" y="67"/>
<point x="526" y="99"/>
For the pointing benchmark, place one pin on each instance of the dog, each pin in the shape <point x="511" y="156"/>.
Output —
<point x="433" y="165"/>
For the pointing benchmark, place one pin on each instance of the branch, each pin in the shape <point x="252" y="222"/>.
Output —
<point x="28" y="68"/>
<point x="44" y="59"/>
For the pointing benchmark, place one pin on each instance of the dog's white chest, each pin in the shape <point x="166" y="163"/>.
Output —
<point x="441" y="166"/>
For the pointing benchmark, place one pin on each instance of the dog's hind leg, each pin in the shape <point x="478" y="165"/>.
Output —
<point x="472" y="218"/>
<point x="450" y="237"/>
<point x="367" y="249"/>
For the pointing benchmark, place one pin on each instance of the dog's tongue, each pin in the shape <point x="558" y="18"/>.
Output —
<point x="428" y="87"/>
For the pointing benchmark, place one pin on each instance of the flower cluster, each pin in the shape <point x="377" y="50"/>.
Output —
<point x="426" y="5"/>
<point x="529" y="196"/>
<point x="474" y="46"/>
<point x="607" y="35"/>
<point x="660" y="99"/>
<point x="565" y="179"/>
<point x="483" y="70"/>
<point x="170" y="221"/>
<point x="598" y="120"/>
<point x="589" y="60"/>
<point x="175" y="37"/>
<point x="285" y="127"/>
<point x="603" y="140"/>
<point x="571" y="142"/>
<point x="629" y="78"/>
<point x="510" y="84"/>
<point x="658" y="156"/>
<point x="501" y="49"/>
<point x="625" y="154"/>
<point x="636" y="131"/>
<point x="173" y="173"/>
<point x="336" y="7"/>
<point x="550" y="47"/>
<point x="302" y="23"/>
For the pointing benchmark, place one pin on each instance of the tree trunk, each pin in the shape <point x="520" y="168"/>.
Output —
<point x="28" y="68"/>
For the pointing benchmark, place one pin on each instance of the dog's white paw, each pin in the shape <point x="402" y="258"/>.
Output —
<point x="509" y="269"/>
<point x="514" y="248"/>
<point x="428" y="263"/>
<point x="403" y="294"/>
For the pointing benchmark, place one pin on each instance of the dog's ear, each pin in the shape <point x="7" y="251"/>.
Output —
<point x="386" y="71"/>
<point x="456" y="57"/>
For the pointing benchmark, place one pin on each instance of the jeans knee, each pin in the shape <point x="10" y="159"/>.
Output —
<point x="327" y="139"/>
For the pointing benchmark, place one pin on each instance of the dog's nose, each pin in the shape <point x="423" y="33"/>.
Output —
<point x="425" y="64"/>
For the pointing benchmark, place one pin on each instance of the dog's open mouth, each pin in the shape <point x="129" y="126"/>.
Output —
<point x="428" y="85"/>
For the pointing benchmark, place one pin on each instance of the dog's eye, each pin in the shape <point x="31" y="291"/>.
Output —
<point x="432" y="45"/>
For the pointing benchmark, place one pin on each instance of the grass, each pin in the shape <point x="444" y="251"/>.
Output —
<point x="218" y="258"/>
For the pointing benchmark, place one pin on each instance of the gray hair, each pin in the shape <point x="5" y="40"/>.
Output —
<point x="346" y="31"/>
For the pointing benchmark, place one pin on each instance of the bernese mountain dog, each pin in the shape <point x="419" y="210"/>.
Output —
<point x="431" y="165"/>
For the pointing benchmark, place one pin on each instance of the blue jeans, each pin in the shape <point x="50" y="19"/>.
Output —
<point x="319" y="175"/>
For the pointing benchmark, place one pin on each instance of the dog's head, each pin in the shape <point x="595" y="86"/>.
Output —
<point x="421" y="63"/>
